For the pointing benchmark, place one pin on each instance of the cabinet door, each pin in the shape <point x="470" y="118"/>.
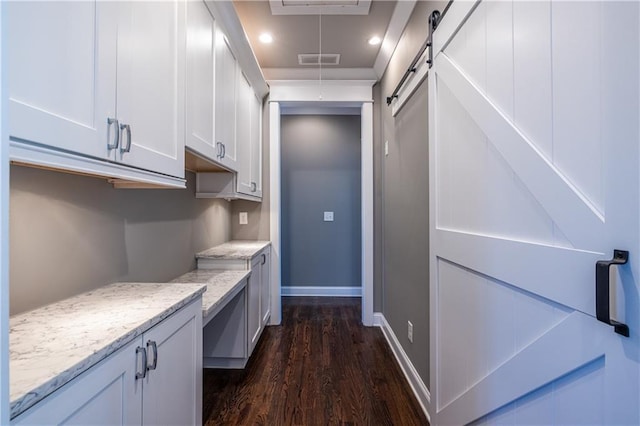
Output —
<point x="106" y="394"/>
<point x="150" y="89"/>
<point x="265" y="290"/>
<point x="61" y="67"/>
<point x="173" y="386"/>
<point x="243" y="134"/>
<point x="253" y="303"/>
<point x="200" y="136"/>
<point x="256" y="146"/>
<point x="226" y="81"/>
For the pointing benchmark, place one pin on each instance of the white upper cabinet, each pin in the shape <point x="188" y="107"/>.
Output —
<point x="62" y="76"/>
<point x="92" y="84"/>
<point x="249" y="129"/>
<point x="243" y="134"/>
<point x="225" y="105"/>
<point x="119" y="89"/>
<point x="150" y="89"/>
<point x="200" y="136"/>
<point x="256" y="146"/>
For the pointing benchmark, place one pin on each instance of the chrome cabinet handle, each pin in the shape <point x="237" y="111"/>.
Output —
<point x="264" y="258"/>
<point x="155" y="355"/>
<point x="224" y="150"/>
<point x="254" y="187"/>
<point x="144" y="362"/>
<point x="126" y="128"/>
<point x="116" y="136"/>
<point x="218" y="149"/>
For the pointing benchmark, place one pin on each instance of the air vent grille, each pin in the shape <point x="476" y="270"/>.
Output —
<point x="317" y="7"/>
<point x="318" y="59"/>
<point x="320" y="3"/>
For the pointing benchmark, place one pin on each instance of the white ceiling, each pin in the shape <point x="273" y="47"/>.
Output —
<point x="344" y="34"/>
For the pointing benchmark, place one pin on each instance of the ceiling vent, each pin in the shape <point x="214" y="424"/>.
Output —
<point x="317" y="7"/>
<point x="286" y="3"/>
<point x="319" y="59"/>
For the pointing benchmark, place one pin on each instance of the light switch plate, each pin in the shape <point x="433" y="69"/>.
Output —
<point x="244" y="218"/>
<point x="328" y="216"/>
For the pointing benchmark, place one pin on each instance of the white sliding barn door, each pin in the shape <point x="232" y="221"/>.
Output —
<point x="534" y="146"/>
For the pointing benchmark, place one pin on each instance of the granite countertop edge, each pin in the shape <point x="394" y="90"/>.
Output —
<point x="234" y="250"/>
<point x="206" y="311"/>
<point x="231" y="280"/>
<point x="37" y="394"/>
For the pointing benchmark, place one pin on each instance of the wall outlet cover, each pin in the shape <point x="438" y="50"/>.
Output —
<point x="244" y="218"/>
<point x="328" y="216"/>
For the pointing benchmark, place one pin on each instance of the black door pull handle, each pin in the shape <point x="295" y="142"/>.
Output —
<point x="620" y="257"/>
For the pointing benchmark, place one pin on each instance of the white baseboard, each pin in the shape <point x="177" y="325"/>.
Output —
<point x="378" y="319"/>
<point x="321" y="291"/>
<point x="417" y="385"/>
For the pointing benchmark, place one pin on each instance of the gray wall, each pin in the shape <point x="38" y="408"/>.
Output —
<point x="321" y="172"/>
<point x="71" y="234"/>
<point x="403" y="176"/>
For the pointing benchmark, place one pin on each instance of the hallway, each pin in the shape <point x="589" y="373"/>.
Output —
<point x="320" y="367"/>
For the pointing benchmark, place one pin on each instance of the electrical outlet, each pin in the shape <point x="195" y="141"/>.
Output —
<point x="410" y="331"/>
<point x="244" y="218"/>
<point x="386" y="148"/>
<point x="328" y="216"/>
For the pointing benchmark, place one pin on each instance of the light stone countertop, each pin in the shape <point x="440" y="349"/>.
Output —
<point x="52" y="345"/>
<point x="237" y="249"/>
<point x="221" y="287"/>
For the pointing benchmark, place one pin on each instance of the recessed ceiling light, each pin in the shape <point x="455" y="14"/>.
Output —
<point x="374" y="40"/>
<point x="265" y="38"/>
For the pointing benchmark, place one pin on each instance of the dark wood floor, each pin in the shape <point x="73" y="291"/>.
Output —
<point x="320" y="367"/>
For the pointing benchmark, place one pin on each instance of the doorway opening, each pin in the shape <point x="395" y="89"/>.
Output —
<point x="335" y="97"/>
<point x="320" y="203"/>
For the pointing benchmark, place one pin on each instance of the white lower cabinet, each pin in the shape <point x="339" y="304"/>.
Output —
<point x="155" y="379"/>
<point x="108" y="391"/>
<point x="230" y="337"/>
<point x="172" y="390"/>
<point x="265" y="287"/>
<point x="259" y="295"/>
<point x="253" y="313"/>
<point x="224" y="338"/>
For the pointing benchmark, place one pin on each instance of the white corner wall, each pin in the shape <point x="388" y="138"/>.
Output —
<point x="4" y="239"/>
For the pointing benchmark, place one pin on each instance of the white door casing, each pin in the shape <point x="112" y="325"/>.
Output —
<point x="534" y="155"/>
<point x="329" y="94"/>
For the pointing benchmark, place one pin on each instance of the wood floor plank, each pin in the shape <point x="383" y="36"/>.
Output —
<point x="320" y="367"/>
